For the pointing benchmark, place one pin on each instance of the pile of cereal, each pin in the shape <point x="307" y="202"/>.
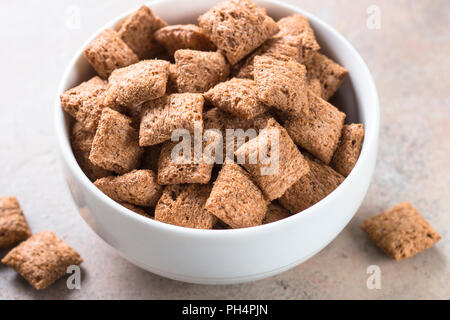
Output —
<point x="237" y="70"/>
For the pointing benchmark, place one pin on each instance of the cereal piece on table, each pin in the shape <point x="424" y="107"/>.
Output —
<point x="237" y="27"/>
<point x="275" y="213"/>
<point x="184" y="205"/>
<point x="135" y="209"/>
<point x="349" y="148"/>
<point x="108" y="52"/>
<point x="281" y="84"/>
<point x="236" y="96"/>
<point x="172" y="80"/>
<point x="138" y="187"/>
<point x="81" y="141"/>
<point x="312" y="187"/>
<point x="183" y="36"/>
<point x="42" y="259"/>
<point x="115" y="146"/>
<point x="137" y="31"/>
<point x="151" y="157"/>
<point x="328" y="73"/>
<point x="401" y="232"/>
<point x="162" y="116"/>
<point x="187" y="171"/>
<point x="138" y="83"/>
<point x="85" y="102"/>
<point x="198" y="71"/>
<point x="235" y="199"/>
<point x="278" y="171"/>
<point x="13" y="225"/>
<point x="298" y="25"/>
<point x="318" y="130"/>
<point x="281" y="48"/>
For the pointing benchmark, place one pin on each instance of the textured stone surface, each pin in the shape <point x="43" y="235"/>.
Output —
<point x="413" y="86"/>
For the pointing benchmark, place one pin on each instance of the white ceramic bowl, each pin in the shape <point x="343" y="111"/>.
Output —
<point x="230" y="256"/>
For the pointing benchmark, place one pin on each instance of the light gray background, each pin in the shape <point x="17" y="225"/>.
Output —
<point x="409" y="58"/>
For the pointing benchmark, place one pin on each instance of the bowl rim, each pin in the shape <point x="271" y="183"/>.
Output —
<point x="370" y="141"/>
